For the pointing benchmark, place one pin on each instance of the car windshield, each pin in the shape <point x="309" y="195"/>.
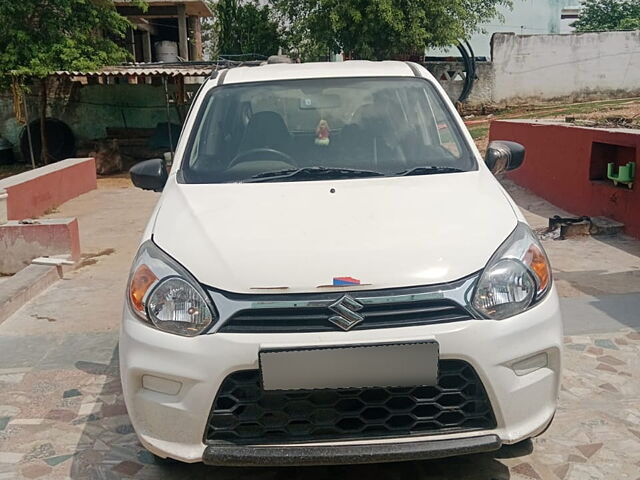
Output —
<point x="301" y="130"/>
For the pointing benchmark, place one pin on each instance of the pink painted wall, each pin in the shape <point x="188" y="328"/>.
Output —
<point x="566" y="165"/>
<point x="33" y="193"/>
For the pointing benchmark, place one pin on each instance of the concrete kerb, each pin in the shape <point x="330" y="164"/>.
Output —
<point x="3" y="206"/>
<point x="22" y="241"/>
<point x="24" y="286"/>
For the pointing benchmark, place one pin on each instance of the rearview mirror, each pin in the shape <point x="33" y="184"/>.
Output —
<point x="503" y="155"/>
<point x="150" y="174"/>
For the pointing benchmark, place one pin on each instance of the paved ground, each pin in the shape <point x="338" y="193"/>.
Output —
<point x="62" y="413"/>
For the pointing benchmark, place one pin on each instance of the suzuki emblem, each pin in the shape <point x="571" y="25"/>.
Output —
<point x="347" y="309"/>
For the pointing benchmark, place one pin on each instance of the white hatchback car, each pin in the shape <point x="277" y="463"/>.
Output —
<point x="333" y="275"/>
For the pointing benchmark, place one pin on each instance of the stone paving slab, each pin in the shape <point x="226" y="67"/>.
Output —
<point x="605" y="313"/>
<point x="66" y="419"/>
<point x="55" y="351"/>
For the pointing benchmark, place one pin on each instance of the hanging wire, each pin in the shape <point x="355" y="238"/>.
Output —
<point x="469" y="62"/>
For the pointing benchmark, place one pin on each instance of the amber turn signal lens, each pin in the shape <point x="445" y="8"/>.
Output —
<point x="538" y="263"/>
<point x="141" y="281"/>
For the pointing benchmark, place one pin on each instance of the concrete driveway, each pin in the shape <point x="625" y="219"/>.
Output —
<point x="62" y="414"/>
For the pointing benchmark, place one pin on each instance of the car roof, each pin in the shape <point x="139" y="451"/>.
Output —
<point x="291" y="71"/>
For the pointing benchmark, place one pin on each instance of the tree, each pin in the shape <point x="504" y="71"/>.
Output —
<point x="607" y="15"/>
<point x="243" y="28"/>
<point x="39" y="37"/>
<point x="381" y="29"/>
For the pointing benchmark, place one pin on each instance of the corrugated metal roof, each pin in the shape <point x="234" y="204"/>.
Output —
<point x="142" y="70"/>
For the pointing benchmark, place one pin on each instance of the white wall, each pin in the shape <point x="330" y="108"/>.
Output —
<point x="542" y="67"/>
<point x="525" y="17"/>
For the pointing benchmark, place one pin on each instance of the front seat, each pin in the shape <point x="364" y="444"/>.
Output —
<point x="266" y="130"/>
<point x="367" y="141"/>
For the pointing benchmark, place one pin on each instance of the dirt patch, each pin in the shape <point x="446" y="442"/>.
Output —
<point x="43" y="317"/>
<point x="92" y="258"/>
<point x="51" y="211"/>
<point x="120" y="180"/>
<point x="14" y="169"/>
<point x="615" y="113"/>
<point x="612" y="116"/>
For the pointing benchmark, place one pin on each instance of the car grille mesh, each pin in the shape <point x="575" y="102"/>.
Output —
<point x="245" y="413"/>
<point x="316" y="318"/>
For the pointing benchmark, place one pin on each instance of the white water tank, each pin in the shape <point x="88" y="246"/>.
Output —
<point x="166" y="51"/>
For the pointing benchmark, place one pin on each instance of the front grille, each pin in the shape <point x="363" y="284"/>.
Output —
<point x="244" y="413"/>
<point x="316" y="318"/>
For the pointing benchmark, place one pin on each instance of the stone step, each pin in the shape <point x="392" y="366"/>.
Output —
<point x="561" y="228"/>
<point x="605" y="226"/>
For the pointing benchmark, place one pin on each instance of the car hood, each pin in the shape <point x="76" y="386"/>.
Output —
<point x="298" y="236"/>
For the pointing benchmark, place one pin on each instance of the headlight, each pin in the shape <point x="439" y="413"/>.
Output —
<point x="162" y="293"/>
<point x="517" y="276"/>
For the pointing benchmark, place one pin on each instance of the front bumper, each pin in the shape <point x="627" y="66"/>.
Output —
<point x="237" y="455"/>
<point x="170" y="407"/>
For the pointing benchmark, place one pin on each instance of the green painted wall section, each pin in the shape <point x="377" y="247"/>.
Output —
<point x="90" y="109"/>
<point x="9" y="128"/>
<point x="97" y="107"/>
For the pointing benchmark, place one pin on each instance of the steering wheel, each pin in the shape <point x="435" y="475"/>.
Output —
<point x="244" y="156"/>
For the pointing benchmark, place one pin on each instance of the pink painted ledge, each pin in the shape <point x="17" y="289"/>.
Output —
<point x="34" y="192"/>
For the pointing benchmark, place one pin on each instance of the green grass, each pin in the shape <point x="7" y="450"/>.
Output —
<point x="479" y="132"/>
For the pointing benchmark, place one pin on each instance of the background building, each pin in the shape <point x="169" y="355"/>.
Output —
<point x="527" y="17"/>
<point x="167" y="31"/>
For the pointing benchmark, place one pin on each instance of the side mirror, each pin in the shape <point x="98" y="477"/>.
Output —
<point x="150" y="174"/>
<point x="503" y="155"/>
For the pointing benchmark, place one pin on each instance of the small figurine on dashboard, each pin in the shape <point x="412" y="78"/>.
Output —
<point x="322" y="133"/>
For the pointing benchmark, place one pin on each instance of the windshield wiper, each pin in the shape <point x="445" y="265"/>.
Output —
<point x="311" y="172"/>
<point x="428" y="170"/>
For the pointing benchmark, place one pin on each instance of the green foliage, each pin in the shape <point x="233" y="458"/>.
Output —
<point x="42" y="36"/>
<point x="242" y="28"/>
<point x="607" y="15"/>
<point x="380" y="29"/>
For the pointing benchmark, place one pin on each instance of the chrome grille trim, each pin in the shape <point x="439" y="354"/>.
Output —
<point x="456" y="293"/>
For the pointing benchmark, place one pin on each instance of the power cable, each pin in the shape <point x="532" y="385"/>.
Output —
<point x="469" y="63"/>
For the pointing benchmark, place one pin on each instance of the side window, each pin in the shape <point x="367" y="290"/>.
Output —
<point x="204" y="140"/>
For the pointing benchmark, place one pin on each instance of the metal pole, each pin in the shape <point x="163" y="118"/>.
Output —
<point x="166" y="98"/>
<point x="26" y="116"/>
